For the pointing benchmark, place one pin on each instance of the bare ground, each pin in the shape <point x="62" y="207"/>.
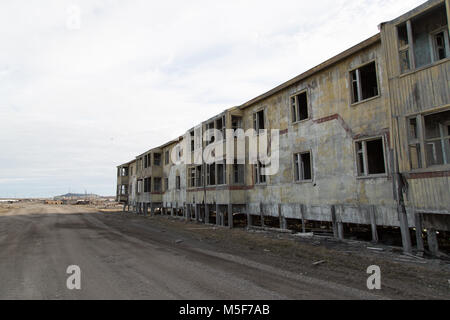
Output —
<point x="124" y="256"/>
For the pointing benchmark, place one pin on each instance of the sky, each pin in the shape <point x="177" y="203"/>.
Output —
<point x="88" y="85"/>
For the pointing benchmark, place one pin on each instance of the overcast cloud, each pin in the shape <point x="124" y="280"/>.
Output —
<point x="75" y="103"/>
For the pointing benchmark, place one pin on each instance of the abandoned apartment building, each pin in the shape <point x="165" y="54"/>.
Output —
<point x="364" y="145"/>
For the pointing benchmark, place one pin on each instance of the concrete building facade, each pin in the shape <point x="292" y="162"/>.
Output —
<point x="364" y="139"/>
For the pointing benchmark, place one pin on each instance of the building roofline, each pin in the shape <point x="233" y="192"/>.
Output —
<point x="126" y="163"/>
<point x="330" y="62"/>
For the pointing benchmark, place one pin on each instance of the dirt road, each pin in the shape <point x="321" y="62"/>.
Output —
<point x="123" y="256"/>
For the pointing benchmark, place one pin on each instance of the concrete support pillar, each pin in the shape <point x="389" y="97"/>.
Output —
<point x="334" y="221"/>
<point x="433" y="242"/>
<point x="230" y="216"/>
<point x="261" y="214"/>
<point x="152" y="209"/>
<point x="206" y="213"/>
<point x="419" y="228"/>
<point x="373" y="223"/>
<point x="218" y="220"/>
<point x="340" y="228"/>
<point x="283" y="223"/>
<point x="249" y="220"/>
<point x="302" y="214"/>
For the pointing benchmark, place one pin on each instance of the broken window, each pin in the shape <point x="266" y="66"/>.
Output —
<point x="157" y="159"/>
<point x="302" y="166"/>
<point x="238" y="173"/>
<point x="157" y="184"/>
<point x="139" y="186"/>
<point x="147" y="185"/>
<point x="236" y="122"/>
<point x="178" y="182"/>
<point x="259" y="175"/>
<point x="423" y="39"/>
<point x="211" y="174"/>
<point x="123" y="172"/>
<point x="437" y="138"/>
<point x="123" y="190"/>
<point x="221" y="173"/>
<point x="415" y="155"/>
<point x="370" y="157"/>
<point x="364" y="82"/>
<point x="440" y="44"/>
<point x="220" y="125"/>
<point x="192" y="177"/>
<point x="299" y="107"/>
<point x="166" y="157"/>
<point x="209" y="133"/>
<point x="403" y="47"/>
<point x="192" y="135"/>
<point x="147" y="160"/>
<point x="199" y="176"/>
<point x="258" y="121"/>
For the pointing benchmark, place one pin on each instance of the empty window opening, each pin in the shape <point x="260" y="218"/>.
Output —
<point x="258" y="120"/>
<point x="178" y="182"/>
<point x="192" y="141"/>
<point x="199" y="176"/>
<point x="166" y="157"/>
<point x="238" y="173"/>
<point x="157" y="159"/>
<point x="303" y="169"/>
<point x="221" y="173"/>
<point x="437" y="138"/>
<point x="415" y="154"/>
<point x="370" y="157"/>
<point x="259" y="174"/>
<point x="440" y="45"/>
<point x="211" y="174"/>
<point x="192" y="177"/>
<point x="364" y="83"/>
<point x="124" y="190"/>
<point x="236" y="122"/>
<point x="209" y="133"/>
<point x="123" y="172"/>
<point x="157" y="184"/>
<point x="147" y="185"/>
<point x="403" y="44"/>
<point x="299" y="107"/>
<point x="147" y="160"/>
<point x="220" y="125"/>
<point x="424" y="39"/>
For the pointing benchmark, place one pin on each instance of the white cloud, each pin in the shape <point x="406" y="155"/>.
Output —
<point x="76" y="103"/>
